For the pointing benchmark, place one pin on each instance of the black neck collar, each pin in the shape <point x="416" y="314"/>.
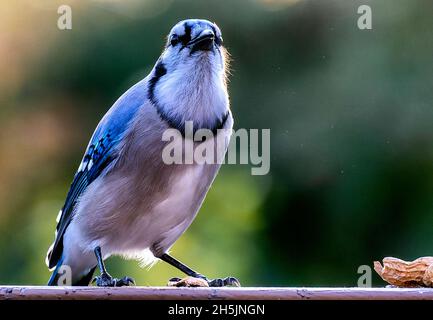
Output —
<point x="176" y="123"/>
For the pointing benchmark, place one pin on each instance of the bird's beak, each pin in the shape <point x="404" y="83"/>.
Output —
<point x="204" y="41"/>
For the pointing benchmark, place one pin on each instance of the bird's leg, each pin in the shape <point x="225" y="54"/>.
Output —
<point x="105" y="279"/>
<point x="219" y="282"/>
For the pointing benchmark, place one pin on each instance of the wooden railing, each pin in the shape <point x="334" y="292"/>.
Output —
<point x="246" y="293"/>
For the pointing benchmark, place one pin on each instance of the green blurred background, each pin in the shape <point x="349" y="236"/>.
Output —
<point x="350" y="113"/>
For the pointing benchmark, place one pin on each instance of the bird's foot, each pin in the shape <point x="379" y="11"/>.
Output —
<point x="105" y="280"/>
<point x="201" y="281"/>
<point x="224" y="282"/>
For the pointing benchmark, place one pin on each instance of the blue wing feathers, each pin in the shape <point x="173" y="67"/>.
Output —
<point x="100" y="152"/>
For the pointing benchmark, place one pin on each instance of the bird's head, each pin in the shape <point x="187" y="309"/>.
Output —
<point x="194" y="42"/>
<point x="190" y="75"/>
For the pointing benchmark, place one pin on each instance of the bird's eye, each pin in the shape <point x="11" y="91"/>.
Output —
<point x="174" y="40"/>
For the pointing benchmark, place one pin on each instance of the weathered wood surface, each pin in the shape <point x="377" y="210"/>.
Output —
<point x="246" y="293"/>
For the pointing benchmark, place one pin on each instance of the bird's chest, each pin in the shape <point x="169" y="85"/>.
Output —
<point x="170" y="195"/>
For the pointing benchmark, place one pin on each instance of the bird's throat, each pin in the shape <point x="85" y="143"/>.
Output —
<point x="199" y="96"/>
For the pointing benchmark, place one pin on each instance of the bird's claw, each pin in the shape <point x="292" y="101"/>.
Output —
<point x="105" y="280"/>
<point x="175" y="279"/>
<point x="200" y="280"/>
<point x="221" y="282"/>
<point x="226" y="282"/>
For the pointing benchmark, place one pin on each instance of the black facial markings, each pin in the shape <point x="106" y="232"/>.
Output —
<point x="160" y="71"/>
<point x="174" y="40"/>
<point x="187" y="36"/>
<point x="215" y="33"/>
<point x="218" y="37"/>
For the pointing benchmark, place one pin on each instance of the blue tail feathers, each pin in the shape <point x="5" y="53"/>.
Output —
<point x="83" y="281"/>
<point x="55" y="275"/>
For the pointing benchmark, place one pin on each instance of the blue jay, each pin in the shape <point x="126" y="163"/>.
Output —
<point x="124" y="200"/>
